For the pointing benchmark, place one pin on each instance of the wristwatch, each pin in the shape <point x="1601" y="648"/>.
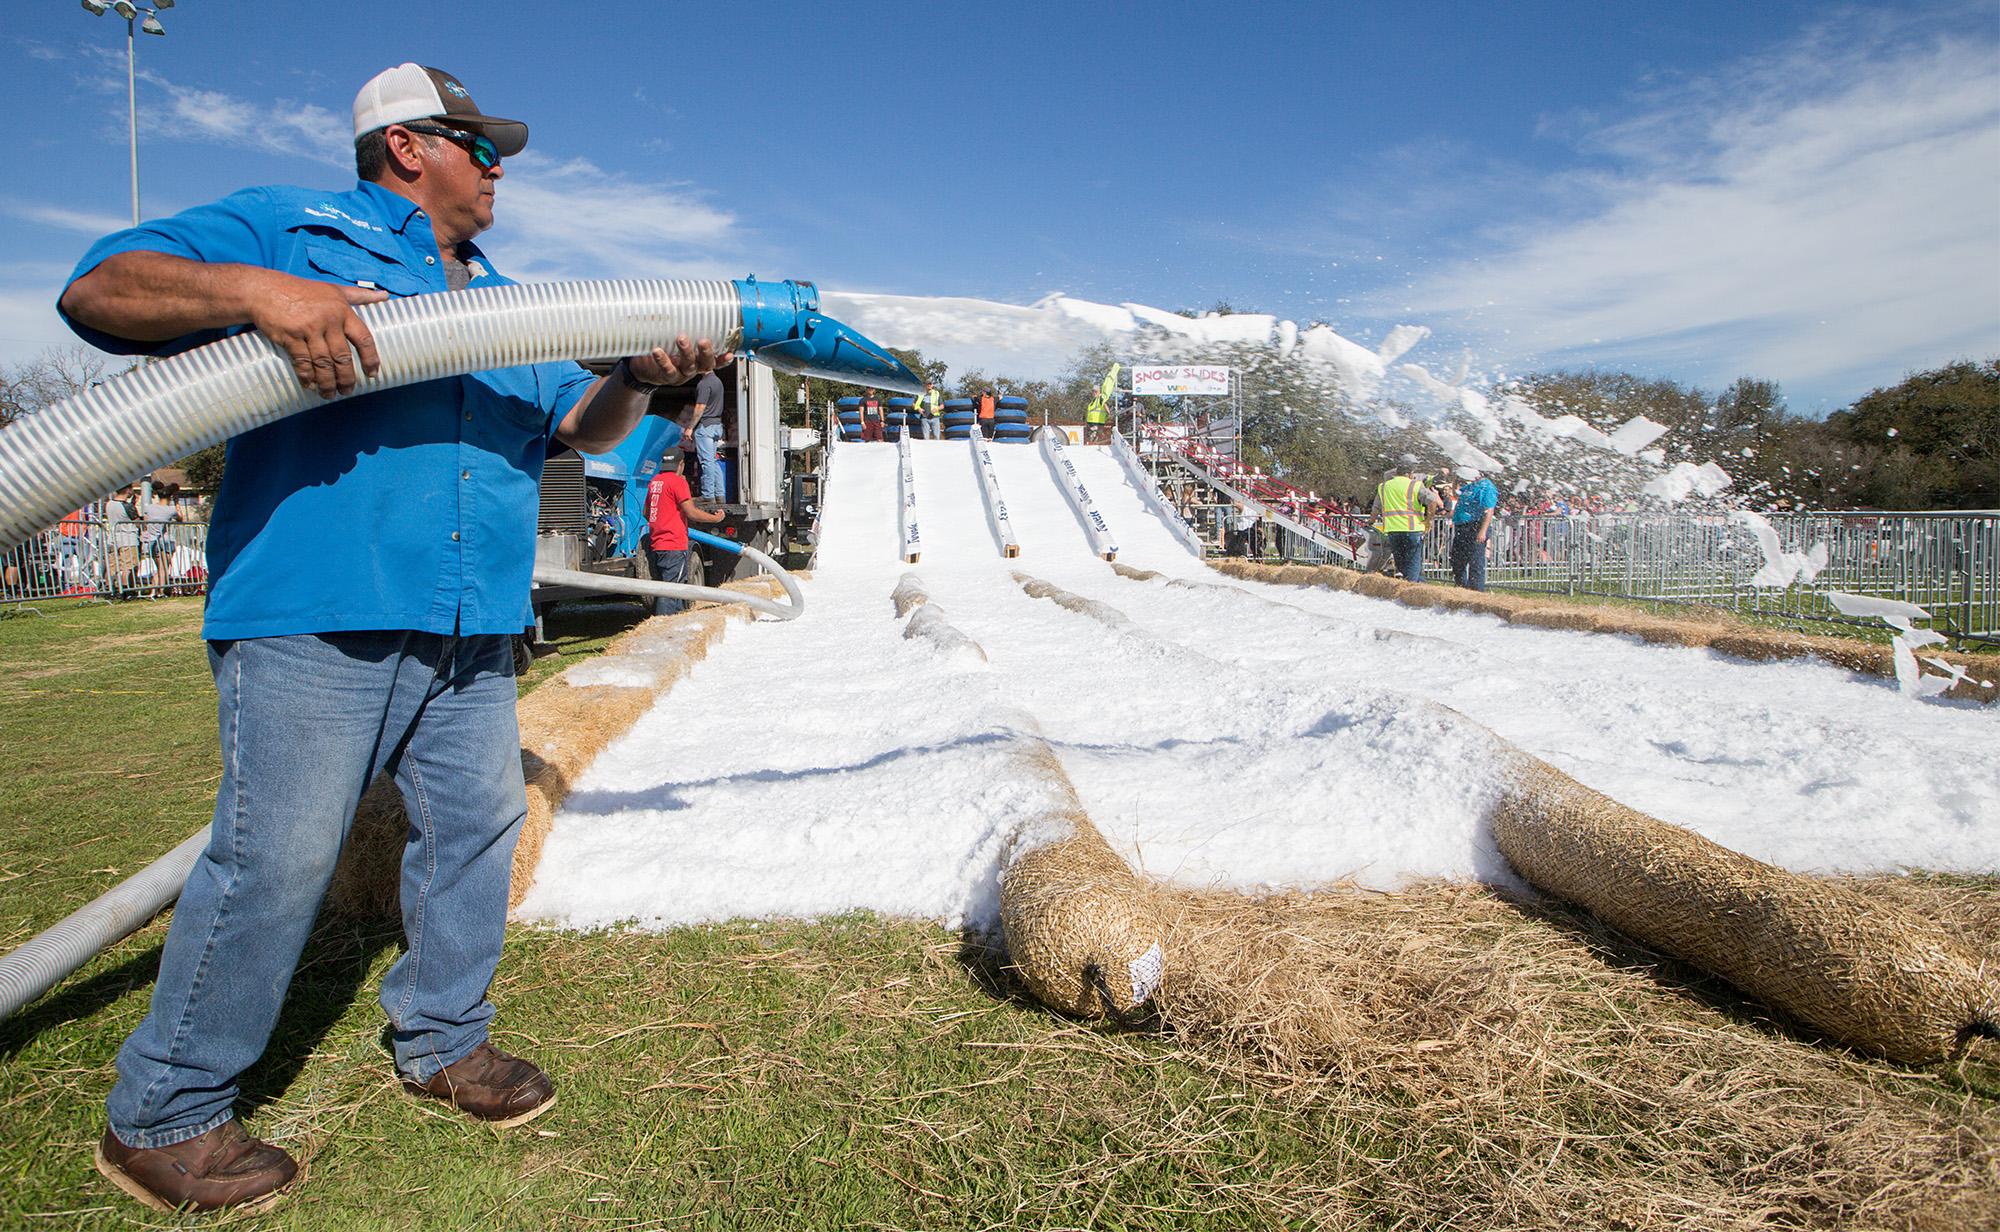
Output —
<point x="623" y="369"/>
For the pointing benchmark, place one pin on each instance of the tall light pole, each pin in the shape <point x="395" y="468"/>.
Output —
<point x="150" y="25"/>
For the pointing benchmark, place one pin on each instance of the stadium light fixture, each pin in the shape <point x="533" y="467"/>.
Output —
<point x="151" y="25"/>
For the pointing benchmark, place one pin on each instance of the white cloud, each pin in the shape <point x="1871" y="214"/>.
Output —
<point x="306" y="130"/>
<point x="63" y="218"/>
<point x="569" y="218"/>
<point x="557" y="218"/>
<point x="1824" y="219"/>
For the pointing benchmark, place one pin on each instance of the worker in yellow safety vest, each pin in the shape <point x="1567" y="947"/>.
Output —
<point x="1097" y="416"/>
<point x="1403" y="503"/>
<point x="929" y="406"/>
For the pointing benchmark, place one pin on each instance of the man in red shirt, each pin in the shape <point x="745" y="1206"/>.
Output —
<point x="669" y="508"/>
<point x="987" y="403"/>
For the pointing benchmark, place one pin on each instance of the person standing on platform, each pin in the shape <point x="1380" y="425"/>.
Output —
<point x="1404" y="502"/>
<point x="669" y="508"/>
<point x="1097" y="416"/>
<point x="1471" y="526"/>
<point x="871" y="418"/>
<point x="703" y="424"/>
<point x="929" y="408"/>
<point x="987" y="404"/>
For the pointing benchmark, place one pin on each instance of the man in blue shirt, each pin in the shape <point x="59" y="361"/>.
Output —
<point x="370" y="563"/>
<point x="1471" y="522"/>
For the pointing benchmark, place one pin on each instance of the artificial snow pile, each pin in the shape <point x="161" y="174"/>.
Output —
<point x="1493" y="432"/>
<point x="1234" y="735"/>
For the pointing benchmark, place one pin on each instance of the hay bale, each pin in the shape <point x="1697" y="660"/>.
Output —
<point x="1455" y="599"/>
<point x="1334" y="577"/>
<point x="1571" y="619"/>
<point x="1379" y="585"/>
<point x="1865" y="972"/>
<point x="1421" y="594"/>
<point x="1667" y="631"/>
<point x="1101" y="612"/>
<point x="1759" y="646"/>
<point x="1081" y="929"/>
<point x="564" y="725"/>
<point x="930" y="625"/>
<point x="1137" y="575"/>
<point x="563" y="729"/>
<point x="909" y="594"/>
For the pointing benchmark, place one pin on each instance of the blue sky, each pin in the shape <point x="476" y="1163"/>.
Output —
<point x="1801" y="192"/>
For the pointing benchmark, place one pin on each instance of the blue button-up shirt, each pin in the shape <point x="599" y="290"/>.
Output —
<point x="1474" y="499"/>
<point x="412" y="508"/>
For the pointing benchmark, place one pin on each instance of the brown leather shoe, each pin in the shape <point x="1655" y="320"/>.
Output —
<point x="224" y="1167"/>
<point x="491" y="1085"/>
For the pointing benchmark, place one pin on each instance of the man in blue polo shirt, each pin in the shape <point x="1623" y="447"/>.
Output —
<point x="370" y="562"/>
<point x="1471" y="526"/>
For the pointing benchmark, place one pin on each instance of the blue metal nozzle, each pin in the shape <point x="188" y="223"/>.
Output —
<point x="783" y="326"/>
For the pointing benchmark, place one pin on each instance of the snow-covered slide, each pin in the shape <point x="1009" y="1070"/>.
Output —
<point x="989" y="489"/>
<point x="1095" y="528"/>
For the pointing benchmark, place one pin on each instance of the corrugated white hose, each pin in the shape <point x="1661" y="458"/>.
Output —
<point x="50" y="956"/>
<point x="53" y="461"/>
<point x="794" y="606"/>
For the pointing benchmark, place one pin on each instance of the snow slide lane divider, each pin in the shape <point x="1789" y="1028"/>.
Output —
<point x="906" y="504"/>
<point x="996" y="507"/>
<point x="1094" y="526"/>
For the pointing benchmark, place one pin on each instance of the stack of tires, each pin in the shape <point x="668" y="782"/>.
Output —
<point x="958" y="418"/>
<point x="1010" y="421"/>
<point x="899" y="411"/>
<point x="849" y="410"/>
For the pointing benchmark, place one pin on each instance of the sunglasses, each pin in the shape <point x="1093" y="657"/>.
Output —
<point x="484" y="153"/>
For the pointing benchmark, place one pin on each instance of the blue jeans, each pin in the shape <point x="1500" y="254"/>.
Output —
<point x="1468" y="556"/>
<point x="706" y="438"/>
<point x="306" y="722"/>
<point x="1408" y="547"/>
<point x="669" y="566"/>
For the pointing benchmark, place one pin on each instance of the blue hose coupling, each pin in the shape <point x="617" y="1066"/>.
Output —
<point x="783" y="327"/>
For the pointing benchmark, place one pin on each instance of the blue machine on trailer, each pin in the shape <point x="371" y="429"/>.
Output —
<point x="628" y="469"/>
<point x="593" y="515"/>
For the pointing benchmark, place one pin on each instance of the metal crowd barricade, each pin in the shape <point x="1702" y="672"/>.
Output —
<point x="86" y="557"/>
<point x="1947" y="563"/>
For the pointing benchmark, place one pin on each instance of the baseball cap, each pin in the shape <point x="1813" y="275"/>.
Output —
<point x="411" y="91"/>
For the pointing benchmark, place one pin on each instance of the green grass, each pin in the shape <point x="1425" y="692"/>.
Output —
<point x="855" y="1072"/>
